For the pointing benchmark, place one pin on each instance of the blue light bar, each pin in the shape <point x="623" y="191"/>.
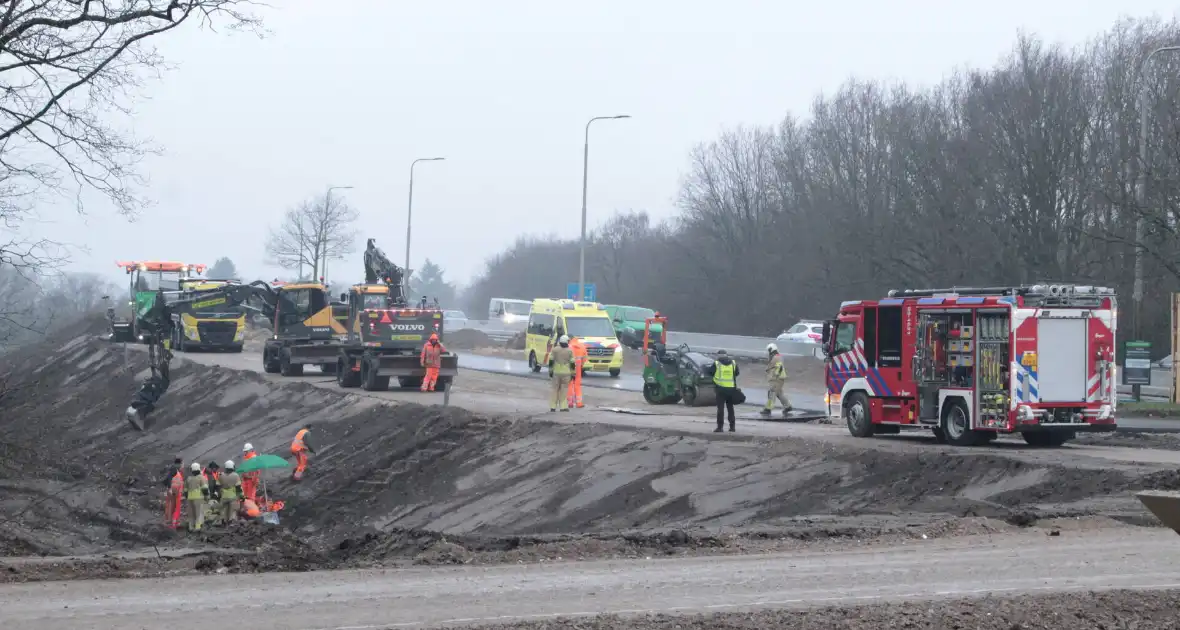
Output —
<point x="930" y="300"/>
<point x="970" y="300"/>
<point x="891" y="302"/>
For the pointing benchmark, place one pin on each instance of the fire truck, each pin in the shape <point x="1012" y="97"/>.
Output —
<point x="972" y="363"/>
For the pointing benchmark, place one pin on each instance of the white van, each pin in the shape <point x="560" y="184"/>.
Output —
<point x="509" y="311"/>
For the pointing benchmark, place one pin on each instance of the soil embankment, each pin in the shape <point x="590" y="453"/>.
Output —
<point x="437" y="485"/>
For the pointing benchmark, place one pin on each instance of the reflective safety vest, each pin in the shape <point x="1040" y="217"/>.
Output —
<point x="177" y="483"/>
<point x="230" y="492"/>
<point x="297" y="444"/>
<point x="579" y="349"/>
<point x="723" y="375"/>
<point x="196" y="491"/>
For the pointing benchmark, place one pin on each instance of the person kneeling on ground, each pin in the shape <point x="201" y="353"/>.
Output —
<point x="724" y="372"/>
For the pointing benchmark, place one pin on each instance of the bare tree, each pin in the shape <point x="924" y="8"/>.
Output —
<point x="1020" y="172"/>
<point x="313" y="233"/>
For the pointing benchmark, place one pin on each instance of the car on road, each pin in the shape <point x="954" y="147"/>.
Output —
<point x="455" y="320"/>
<point x="629" y="321"/>
<point x="805" y="331"/>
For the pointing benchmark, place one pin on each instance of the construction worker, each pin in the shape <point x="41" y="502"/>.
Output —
<point x="299" y="446"/>
<point x="575" y="391"/>
<point x="196" y="491"/>
<point x="724" y="372"/>
<point x="250" y="479"/>
<point x="561" y="367"/>
<point x="174" y="497"/>
<point x="431" y="359"/>
<point x="212" y="474"/>
<point x="231" y="493"/>
<point x="776" y="378"/>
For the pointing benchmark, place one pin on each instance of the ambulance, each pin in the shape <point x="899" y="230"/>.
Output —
<point x="588" y="321"/>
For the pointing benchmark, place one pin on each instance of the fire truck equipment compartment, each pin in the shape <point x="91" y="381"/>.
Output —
<point x="1061" y="359"/>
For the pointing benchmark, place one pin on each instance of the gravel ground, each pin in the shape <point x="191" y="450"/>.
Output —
<point x="1113" y="610"/>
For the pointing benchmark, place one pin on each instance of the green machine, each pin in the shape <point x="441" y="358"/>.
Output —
<point x="146" y="279"/>
<point x="672" y="376"/>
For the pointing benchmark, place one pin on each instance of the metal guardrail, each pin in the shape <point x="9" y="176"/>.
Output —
<point x="736" y="345"/>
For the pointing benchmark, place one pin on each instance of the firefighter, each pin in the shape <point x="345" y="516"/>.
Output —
<point x="431" y="359"/>
<point x="724" y="372"/>
<point x="250" y="479"/>
<point x="561" y="366"/>
<point x="196" y="493"/>
<point x="174" y="497"/>
<point x="776" y="378"/>
<point x="231" y="493"/>
<point x="299" y="446"/>
<point x="578" y="347"/>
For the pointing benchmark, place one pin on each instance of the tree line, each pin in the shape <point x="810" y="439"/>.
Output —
<point x="1019" y="173"/>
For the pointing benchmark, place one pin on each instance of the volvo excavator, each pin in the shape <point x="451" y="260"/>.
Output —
<point x="386" y="333"/>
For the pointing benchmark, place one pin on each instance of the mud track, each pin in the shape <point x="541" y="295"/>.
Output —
<point x="398" y="482"/>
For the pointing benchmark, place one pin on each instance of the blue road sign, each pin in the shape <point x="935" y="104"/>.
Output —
<point x="571" y="292"/>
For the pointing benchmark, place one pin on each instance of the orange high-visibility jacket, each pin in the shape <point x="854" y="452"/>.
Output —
<point x="579" y="349"/>
<point x="297" y="444"/>
<point x="432" y="355"/>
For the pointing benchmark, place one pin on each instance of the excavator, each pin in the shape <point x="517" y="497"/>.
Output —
<point x="385" y="333"/>
<point x="301" y="315"/>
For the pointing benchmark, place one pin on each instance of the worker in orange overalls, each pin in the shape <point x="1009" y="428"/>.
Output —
<point x="431" y="359"/>
<point x="174" y="499"/>
<point x="575" y="390"/>
<point x="250" y="479"/>
<point x="299" y="446"/>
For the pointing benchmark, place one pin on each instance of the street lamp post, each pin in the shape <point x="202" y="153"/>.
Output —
<point x="328" y="208"/>
<point x="585" y="180"/>
<point x="410" y="217"/>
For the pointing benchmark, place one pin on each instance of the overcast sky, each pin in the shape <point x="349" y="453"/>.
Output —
<point x="349" y="92"/>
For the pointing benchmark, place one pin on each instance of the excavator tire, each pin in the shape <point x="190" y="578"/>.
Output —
<point x="269" y="365"/>
<point x="286" y="368"/>
<point x="370" y="382"/>
<point x="1164" y="505"/>
<point x="345" y="377"/>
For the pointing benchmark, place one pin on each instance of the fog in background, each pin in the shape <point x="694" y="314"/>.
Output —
<point x="349" y="93"/>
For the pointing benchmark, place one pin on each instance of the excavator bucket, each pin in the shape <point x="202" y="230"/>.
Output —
<point x="1165" y="506"/>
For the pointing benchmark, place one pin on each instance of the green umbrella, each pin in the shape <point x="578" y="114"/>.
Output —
<point x="262" y="462"/>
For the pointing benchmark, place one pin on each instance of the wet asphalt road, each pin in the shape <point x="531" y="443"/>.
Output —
<point x="431" y="597"/>
<point x="755" y="394"/>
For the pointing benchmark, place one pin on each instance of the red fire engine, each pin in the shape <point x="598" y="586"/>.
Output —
<point x="970" y="364"/>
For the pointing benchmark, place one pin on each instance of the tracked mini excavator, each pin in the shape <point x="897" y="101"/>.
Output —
<point x="301" y="316"/>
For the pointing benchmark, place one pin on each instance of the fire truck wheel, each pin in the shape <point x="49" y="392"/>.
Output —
<point x="1048" y="439"/>
<point x="856" y="414"/>
<point x="955" y="424"/>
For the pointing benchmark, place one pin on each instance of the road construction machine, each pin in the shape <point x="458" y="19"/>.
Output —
<point x="385" y="333"/>
<point x="146" y="280"/>
<point x="670" y="376"/>
<point x="302" y="323"/>
<point x="210" y="324"/>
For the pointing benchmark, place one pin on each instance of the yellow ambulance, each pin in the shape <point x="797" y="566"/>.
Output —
<point x="588" y="321"/>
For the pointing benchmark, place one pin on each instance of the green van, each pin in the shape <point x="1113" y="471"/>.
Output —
<point x="629" y="321"/>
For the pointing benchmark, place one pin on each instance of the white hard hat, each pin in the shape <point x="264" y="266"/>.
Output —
<point x="229" y="463"/>
<point x="770" y="347"/>
<point x="248" y="447"/>
<point x="195" y="467"/>
<point x="563" y="339"/>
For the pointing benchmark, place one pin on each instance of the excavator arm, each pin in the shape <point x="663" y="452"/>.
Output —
<point x="158" y="322"/>
<point x="379" y="268"/>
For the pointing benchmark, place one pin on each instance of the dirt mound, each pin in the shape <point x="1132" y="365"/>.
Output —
<point x="468" y="339"/>
<point x="442" y="484"/>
